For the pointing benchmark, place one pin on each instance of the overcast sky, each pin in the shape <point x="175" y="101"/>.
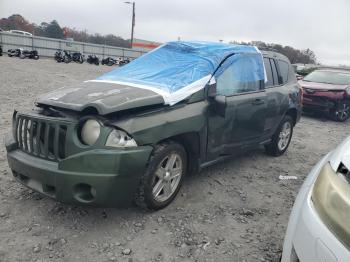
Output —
<point x="321" y="25"/>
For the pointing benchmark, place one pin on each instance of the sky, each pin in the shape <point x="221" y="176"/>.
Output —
<point x="321" y="25"/>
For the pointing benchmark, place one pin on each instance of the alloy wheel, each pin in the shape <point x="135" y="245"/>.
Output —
<point x="343" y="111"/>
<point x="284" y="136"/>
<point x="167" y="177"/>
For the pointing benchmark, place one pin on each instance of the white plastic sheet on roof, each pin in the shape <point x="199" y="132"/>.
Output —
<point x="176" y="70"/>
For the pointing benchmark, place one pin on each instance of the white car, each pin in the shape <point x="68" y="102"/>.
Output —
<point x="19" y="32"/>
<point x="319" y="225"/>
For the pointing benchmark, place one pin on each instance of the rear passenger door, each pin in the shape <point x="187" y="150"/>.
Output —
<point x="276" y="92"/>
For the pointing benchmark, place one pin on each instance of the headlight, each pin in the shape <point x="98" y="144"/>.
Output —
<point x="118" y="138"/>
<point x="90" y="132"/>
<point x="331" y="198"/>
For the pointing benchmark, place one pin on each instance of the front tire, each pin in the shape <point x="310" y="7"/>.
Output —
<point x="163" y="178"/>
<point x="341" y="113"/>
<point x="281" y="138"/>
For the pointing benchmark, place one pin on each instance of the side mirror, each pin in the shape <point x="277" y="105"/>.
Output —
<point x="220" y="105"/>
<point x="218" y="102"/>
<point x="212" y="90"/>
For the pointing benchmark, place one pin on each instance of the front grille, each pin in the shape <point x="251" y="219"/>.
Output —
<point x="39" y="137"/>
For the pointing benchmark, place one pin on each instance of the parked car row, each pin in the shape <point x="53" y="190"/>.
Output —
<point x="19" y="52"/>
<point x="67" y="57"/>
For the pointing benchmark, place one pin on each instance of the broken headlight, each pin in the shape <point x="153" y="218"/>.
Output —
<point x="90" y="132"/>
<point x="118" y="138"/>
<point x="331" y="199"/>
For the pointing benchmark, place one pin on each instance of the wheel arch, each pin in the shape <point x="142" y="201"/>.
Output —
<point x="192" y="144"/>
<point x="293" y="113"/>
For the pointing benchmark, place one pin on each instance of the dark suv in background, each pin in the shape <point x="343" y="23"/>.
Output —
<point x="136" y="148"/>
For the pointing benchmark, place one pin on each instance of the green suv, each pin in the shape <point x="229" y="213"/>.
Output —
<point x="134" y="133"/>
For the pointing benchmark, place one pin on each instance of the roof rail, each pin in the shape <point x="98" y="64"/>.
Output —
<point x="268" y="49"/>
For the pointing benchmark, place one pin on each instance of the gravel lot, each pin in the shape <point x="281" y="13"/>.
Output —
<point x="234" y="211"/>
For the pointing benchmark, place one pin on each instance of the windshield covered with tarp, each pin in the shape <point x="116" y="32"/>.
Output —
<point x="178" y="69"/>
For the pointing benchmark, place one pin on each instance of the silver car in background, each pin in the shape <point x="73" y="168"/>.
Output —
<point x="319" y="225"/>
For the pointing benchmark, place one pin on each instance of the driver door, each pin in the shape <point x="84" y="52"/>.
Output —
<point x="241" y="123"/>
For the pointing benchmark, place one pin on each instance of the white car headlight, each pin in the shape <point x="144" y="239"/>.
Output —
<point x="118" y="138"/>
<point x="331" y="199"/>
<point x="90" y="132"/>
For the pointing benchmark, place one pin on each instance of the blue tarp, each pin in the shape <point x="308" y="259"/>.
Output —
<point x="185" y="66"/>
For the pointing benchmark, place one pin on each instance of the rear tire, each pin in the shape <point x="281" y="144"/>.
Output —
<point x="281" y="138"/>
<point x="163" y="178"/>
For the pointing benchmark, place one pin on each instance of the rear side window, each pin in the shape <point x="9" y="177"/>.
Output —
<point x="269" y="75"/>
<point x="284" y="70"/>
<point x="271" y="72"/>
<point x="274" y="73"/>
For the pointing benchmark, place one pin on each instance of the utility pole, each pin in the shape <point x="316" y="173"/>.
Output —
<point x="132" y="22"/>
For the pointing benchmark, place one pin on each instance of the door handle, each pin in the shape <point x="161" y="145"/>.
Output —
<point x="258" y="101"/>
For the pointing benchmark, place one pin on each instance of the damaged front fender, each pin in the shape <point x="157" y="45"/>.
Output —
<point x="157" y="126"/>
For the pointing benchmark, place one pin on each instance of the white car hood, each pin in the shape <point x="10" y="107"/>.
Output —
<point x="341" y="155"/>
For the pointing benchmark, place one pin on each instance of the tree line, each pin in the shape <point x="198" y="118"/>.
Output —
<point x="54" y="30"/>
<point x="305" y="56"/>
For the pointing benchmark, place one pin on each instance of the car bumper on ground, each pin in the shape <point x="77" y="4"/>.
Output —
<point x="307" y="237"/>
<point x="100" y="177"/>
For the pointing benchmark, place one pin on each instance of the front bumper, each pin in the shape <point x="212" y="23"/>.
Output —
<point x="321" y="101"/>
<point x="99" y="177"/>
<point x="307" y="237"/>
<point x="318" y="103"/>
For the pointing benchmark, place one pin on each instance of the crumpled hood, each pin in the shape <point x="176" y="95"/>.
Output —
<point x="105" y="97"/>
<point x="321" y="86"/>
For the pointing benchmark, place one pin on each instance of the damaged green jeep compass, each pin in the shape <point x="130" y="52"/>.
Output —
<point x="135" y="132"/>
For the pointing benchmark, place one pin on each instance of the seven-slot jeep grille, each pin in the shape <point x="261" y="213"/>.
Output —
<point x="39" y="137"/>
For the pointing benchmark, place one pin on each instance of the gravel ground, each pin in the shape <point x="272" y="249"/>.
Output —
<point x="234" y="211"/>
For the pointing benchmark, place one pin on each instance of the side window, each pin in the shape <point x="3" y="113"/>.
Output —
<point x="274" y="72"/>
<point x="236" y="79"/>
<point x="284" y="70"/>
<point x="269" y="76"/>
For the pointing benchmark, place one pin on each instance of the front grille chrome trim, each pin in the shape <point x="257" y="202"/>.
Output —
<point x="41" y="137"/>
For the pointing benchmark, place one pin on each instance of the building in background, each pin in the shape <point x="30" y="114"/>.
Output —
<point x="144" y="45"/>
